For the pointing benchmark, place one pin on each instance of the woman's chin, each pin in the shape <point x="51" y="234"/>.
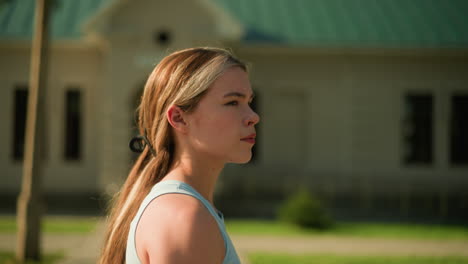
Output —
<point x="242" y="160"/>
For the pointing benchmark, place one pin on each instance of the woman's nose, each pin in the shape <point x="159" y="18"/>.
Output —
<point x="253" y="118"/>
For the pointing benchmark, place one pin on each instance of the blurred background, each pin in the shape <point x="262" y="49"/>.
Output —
<point x="364" y="104"/>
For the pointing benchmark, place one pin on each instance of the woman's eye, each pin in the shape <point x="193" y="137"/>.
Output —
<point x="232" y="103"/>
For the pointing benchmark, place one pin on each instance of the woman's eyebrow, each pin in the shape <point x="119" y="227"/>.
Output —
<point x="237" y="94"/>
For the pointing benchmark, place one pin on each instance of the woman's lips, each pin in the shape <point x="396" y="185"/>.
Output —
<point x="249" y="139"/>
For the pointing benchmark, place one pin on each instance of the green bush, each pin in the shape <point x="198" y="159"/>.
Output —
<point x="304" y="210"/>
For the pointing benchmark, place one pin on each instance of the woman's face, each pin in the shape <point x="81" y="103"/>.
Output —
<point x="222" y="124"/>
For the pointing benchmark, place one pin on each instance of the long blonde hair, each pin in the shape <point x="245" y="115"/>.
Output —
<point x="181" y="79"/>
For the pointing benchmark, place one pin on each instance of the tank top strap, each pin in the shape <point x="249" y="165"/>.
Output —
<point x="173" y="186"/>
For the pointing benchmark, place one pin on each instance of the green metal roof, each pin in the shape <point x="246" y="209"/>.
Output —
<point x="16" y="17"/>
<point x="379" y="23"/>
<point x="342" y="23"/>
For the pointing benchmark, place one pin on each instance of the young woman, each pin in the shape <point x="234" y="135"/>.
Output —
<point x="194" y="117"/>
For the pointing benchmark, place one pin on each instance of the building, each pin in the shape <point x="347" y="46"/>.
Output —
<point x="365" y="103"/>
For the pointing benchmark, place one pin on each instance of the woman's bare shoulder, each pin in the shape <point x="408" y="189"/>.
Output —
<point x="178" y="228"/>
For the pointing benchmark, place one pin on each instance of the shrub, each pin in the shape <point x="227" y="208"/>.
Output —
<point x="304" y="210"/>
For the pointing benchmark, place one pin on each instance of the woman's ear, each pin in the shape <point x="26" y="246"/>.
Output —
<point x="175" y="116"/>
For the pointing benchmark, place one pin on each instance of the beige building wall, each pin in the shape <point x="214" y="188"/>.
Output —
<point x="110" y="73"/>
<point x="334" y="122"/>
<point x="72" y="65"/>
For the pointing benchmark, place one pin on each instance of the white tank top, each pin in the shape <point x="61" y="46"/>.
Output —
<point x="172" y="186"/>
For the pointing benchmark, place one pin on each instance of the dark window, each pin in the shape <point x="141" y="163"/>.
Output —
<point x="72" y="146"/>
<point x="19" y="121"/>
<point x="459" y="130"/>
<point x="417" y="133"/>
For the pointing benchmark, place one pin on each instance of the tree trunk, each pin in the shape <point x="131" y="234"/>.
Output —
<point x="30" y="203"/>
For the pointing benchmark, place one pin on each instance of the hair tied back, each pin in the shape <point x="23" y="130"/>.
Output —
<point x="138" y="143"/>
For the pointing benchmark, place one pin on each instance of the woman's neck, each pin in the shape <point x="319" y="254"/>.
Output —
<point x="200" y="174"/>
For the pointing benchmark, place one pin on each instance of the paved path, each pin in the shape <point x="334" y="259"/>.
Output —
<point x="351" y="246"/>
<point x="84" y="249"/>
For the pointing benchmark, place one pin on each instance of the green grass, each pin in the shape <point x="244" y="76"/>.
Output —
<point x="9" y="258"/>
<point x="381" y="230"/>
<point x="273" y="228"/>
<point x="53" y="224"/>
<point x="262" y="258"/>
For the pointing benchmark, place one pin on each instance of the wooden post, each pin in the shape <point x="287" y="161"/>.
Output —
<point x="30" y="204"/>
